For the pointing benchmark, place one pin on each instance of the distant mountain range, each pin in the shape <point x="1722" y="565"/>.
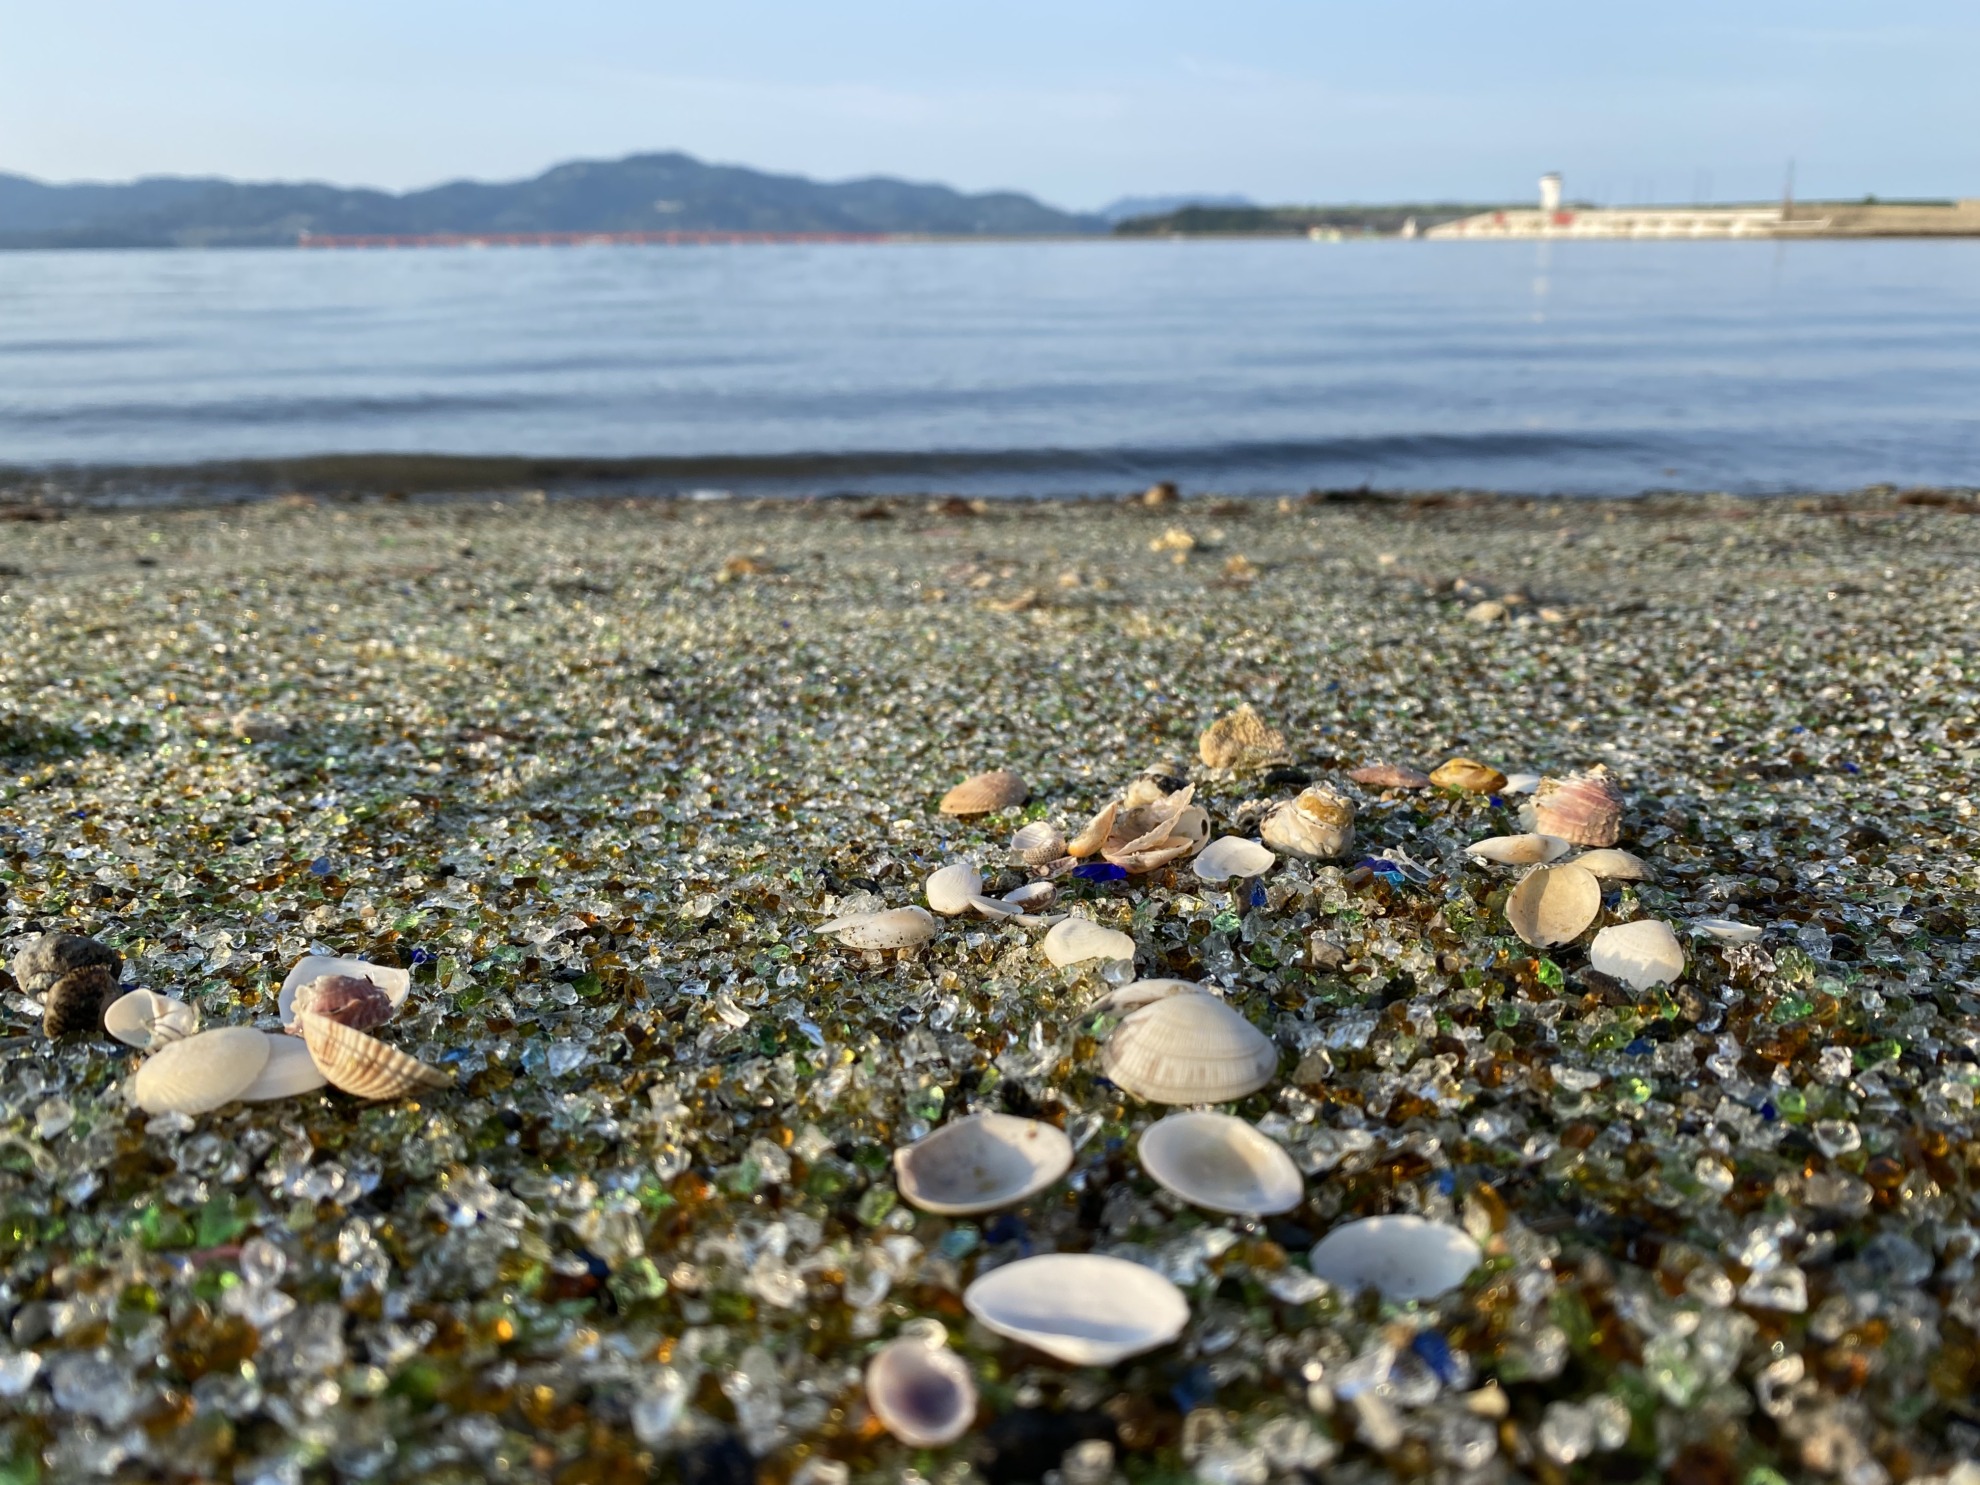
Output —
<point x="1129" y="207"/>
<point x="656" y="192"/>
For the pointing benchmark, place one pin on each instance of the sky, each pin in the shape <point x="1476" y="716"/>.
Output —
<point x="1075" y="101"/>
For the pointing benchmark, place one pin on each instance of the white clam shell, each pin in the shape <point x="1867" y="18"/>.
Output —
<point x="1032" y="895"/>
<point x="1613" y="865"/>
<point x="146" y="1019"/>
<point x="891" y="928"/>
<point x="1083" y="1308"/>
<point x="1039" y="842"/>
<point x="1530" y="849"/>
<point x="1232" y="856"/>
<point x="1139" y="993"/>
<point x="952" y="889"/>
<point x="396" y="983"/>
<point x="1221" y="1163"/>
<point x="1643" y="954"/>
<point x="1728" y="931"/>
<point x="1189" y="1049"/>
<point x="1403" y="1258"/>
<point x="1554" y="905"/>
<point x="981" y="1164"/>
<point x="1075" y="940"/>
<point x="202" y="1071"/>
<point x="921" y="1392"/>
<point x="290" y="1070"/>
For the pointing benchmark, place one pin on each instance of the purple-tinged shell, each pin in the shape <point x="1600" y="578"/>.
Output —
<point x="349" y="1000"/>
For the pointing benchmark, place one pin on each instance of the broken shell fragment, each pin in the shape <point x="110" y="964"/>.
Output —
<point x="1388" y="776"/>
<point x="1075" y="940"/>
<point x="1221" y="1163"/>
<point x="1037" y="843"/>
<point x="396" y="983"/>
<point x="1521" y="783"/>
<point x="1471" y="777"/>
<point x="146" y="1019"/>
<point x="1140" y="992"/>
<point x="981" y="1164"/>
<point x="1188" y="1049"/>
<point x="1583" y="808"/>
<point x="1643" y="954"/>
<point x="1519" y="850"/>
<point x="1554" y="905"/>
<point x="891" y="928"/>
<point x="350" y="1000"/>
<point x="1612" y="865"/>
<point x="1317" y="825"/>
<point x="360" y="1064"/>
<point x="1241" y="740"/>
<point x="1232" y="856"/>
<point x="1096" y="833"/>
<point x="200" y="1072"/>
<point x="1085" y="1309"/>
<point x="997" y="790"/>
<point x="921" y="1392"/>
<point x="290" y="1070"/>
<point x="1402" y="1258"/>
<point x="1728" y="931"/>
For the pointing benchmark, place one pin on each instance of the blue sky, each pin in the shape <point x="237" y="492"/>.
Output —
<point x="1078" y="101"/>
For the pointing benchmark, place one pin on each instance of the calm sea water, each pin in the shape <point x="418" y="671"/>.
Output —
<point x="1013" y="367"/>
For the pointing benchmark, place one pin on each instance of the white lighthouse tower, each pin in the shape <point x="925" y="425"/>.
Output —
<point x="1550" y="191"/>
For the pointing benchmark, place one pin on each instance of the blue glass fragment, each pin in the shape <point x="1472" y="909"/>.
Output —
<point x="1435" y="1352"/>
<point x="1100" y="871"/>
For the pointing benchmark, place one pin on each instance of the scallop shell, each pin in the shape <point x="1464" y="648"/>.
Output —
<point x="1082" y="1308"/>
<point x="1388" y="776"/>
<point x="1403" y="1258"/>
<point x="396" y="983"/>
<point x="1554" y="905"/>
<point x="997" y="790"/>
<point x="1643" y="954"/>
<point x="1232" y="856"/>
<point x="361" y="1064"/>
<point x="1470" y="776"/>
<point x="1189" y="1049"/>
<point x="1317" y="825"/>
<point x="1222" y="1164"/>
<point x="892" y="928"/>
<point x="290" y="1070"/>
<point x="1519" y="850"/>
<point x="1727" y="931"/>
<point x="200" y="1072"/>
<point x="981" y="1164"/>
<point x="1584" y="808"/>
<point x="1612" y="865"/>
<point x="921" y="1392"/>
<point x="347" y="999"/>
<point x="1037" y="843"/>
<point x="145" y="1019"/>
<point x="1077" y="939"/>
<point x="77" y="1001"/>
<point x="1240" y="740"/>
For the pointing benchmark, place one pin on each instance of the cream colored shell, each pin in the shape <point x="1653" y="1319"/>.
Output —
<point x="1220" y="1163"/>
<point x="200" y="1072"/>
<point x="360" y="1064"/>
<point x="1188" y="1049"/>
<point x="981" y="1164"/>
<point x="1553" y="905"/>
<point x="893" y="928"/>
<point x="1083" y="1308"/>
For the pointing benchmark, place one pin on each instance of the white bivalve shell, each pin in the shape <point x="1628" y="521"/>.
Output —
<point x="1531" y="849"/>
<point x="1403" y="1258"/>
<point x="396" y="983"/>
<point x="1232" y="856"/>
<point x="1074" y="940"/>
<point x="958" y="888"/>
<point x="202" y="1071"/>
<point x="1032" y="895"/>
<point x="146" y="1019"/>
<point x="1221" y="1163"/>
<point x="1188" y="1049"/>
<point x="892" y="928"/>
<point x="921" y="1392"/>
<point x="1643" y="954"/>
<point x="1554" y="905"/>
<point x="1613" y="865"/>
<point x="1318" y="825"/>
<point x="1140" y="992"/>
<point x="1083" y="1308"/>
<point x="981" y="1164"/>
<point x="290" y="1070"/>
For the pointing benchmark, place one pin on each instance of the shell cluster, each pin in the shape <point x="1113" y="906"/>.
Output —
<point x="74" y="978"/>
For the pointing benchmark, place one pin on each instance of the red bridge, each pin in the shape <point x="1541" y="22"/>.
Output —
<point x="571" y="239"/>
